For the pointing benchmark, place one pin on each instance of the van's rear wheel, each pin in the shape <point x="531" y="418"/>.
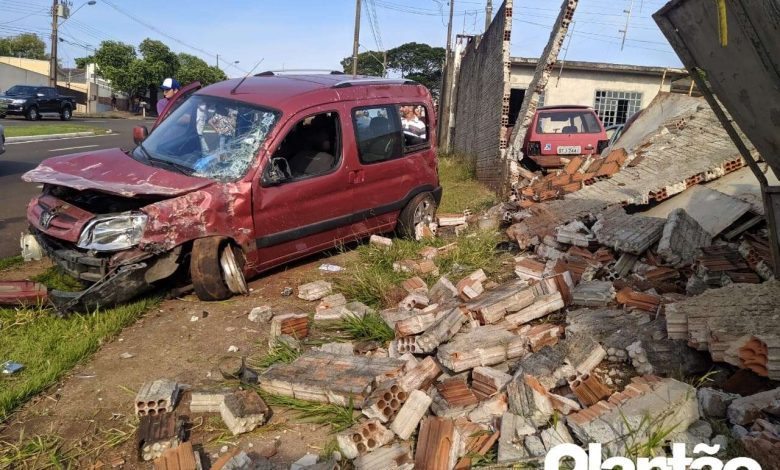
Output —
<point x="420" y="210"/>
<point x="216" y="269"/>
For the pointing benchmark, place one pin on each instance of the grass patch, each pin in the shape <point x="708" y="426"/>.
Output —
<point x="48" y="129"/>
<point x="55" y="278"/>
<point x="280" y="353"/>
<point x="49" y="346"/>
<point x="371" y="279"/>
<point x="370" y="327"/>
<point x="337" y="417"/>
<point x="13" y="261"/>
<point x="462" y="191"/>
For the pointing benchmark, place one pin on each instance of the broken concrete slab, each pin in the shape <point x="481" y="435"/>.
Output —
<point x="332" y="301"/>
<point x="262" y="314"/>
<point x="574" y="233"/>
<point x="647" y="404"/>
<point x="330" y="378"/>
<point x="714" y="403"/>
<point x="362" y="438"/>
<point x="482" y="346"/>
<point x="625" y="233"/>
<point x="208" y="400"/>
<point x="514" y="428"/>
<point x="729" y="318"/>
<point x="542" y="306"/>
<point x="553" y="365"/>
<point x="156" y="397"/>
<point x="442" y="330"/>
<point x="497" y="303"/>
<point x="713" y="210"/>
<point x="682" y="239"/>
<point x="528" y="398"/>
<point x="556" y="435"/>
<point x="157" y="433"/>
<point x="746" y="410"/>
<point x="593" y="293"/>
<point x="314" y="290"/>
<point x="393" y="457"/>
<point x="244" y="410"/>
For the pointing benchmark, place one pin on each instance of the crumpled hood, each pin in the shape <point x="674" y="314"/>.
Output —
<point x="113" y="171"/>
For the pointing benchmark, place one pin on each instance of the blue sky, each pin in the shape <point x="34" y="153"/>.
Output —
<point x="318" y="33"/>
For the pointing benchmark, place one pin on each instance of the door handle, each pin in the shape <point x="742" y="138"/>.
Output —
<point x="356" y="176"/>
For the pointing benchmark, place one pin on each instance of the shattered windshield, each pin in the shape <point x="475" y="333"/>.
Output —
<point x="208" y="137"/>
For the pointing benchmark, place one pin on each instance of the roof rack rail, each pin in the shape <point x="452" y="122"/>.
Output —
<point x="374" y="81"/>
<point x="271" y="73"/>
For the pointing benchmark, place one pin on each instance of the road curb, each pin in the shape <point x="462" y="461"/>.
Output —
<point x="38" y="138"/>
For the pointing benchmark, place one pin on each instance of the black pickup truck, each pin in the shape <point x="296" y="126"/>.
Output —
<point x="33" y="102"/>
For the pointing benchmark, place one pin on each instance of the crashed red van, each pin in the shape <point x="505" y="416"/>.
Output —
<point x="237" y="178"/>
<point x="564" y="131"/>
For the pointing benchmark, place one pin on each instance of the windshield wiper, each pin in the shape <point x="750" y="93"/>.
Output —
<point x="151" y="160"/>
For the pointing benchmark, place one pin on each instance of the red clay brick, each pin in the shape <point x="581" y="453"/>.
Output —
<point x="573" y="165"/>
<point x="608" y="169"/>
<point x="618" y="156"/>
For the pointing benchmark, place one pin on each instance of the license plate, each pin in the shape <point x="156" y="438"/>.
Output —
<point x="569" y="149"/>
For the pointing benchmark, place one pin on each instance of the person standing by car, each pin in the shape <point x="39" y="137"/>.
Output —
<point x="169" y="87"/>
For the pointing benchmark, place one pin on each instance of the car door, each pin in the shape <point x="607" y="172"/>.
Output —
<point x="391" y="163"/>
<point x="45" y="98"/>
<point x="307" y="210"/>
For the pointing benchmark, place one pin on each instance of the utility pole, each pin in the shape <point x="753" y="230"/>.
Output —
<point x="384" y="64"/>
<point x="628" y="18"/>
<point x="449" y="32"/>
<point x="488" y="14"/>
<point x="356" y="42"/>
<point x="53" y="58"/>
<point x="217" y="60"/>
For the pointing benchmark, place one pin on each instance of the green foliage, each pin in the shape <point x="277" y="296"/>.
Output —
<point x="195" y="69"/>
<point x="461" y="189"/>
<point x="26" y="45"/>
<point x="135" y="72"/>
<point x="54" y="278"/>
<point x="7" y="263"/>
<point x="337" y="417"/>
<point x="369" y="327"/>
<point x="415" y="61"/>
<point x="369" y="63"/>
<point x="280" y="353"/>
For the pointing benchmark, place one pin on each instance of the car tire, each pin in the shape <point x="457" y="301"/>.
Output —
<point x="216" y="269"/>
<point x="422" y="208"/>
<point x="66" y="114"/>
<point x="32" y="113"/>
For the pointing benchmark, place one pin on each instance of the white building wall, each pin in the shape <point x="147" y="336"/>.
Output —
<point x="11" y="75"/>
<point x="579" y="86"/>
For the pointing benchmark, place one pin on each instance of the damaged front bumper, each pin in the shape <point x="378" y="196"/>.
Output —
<point x="114" y="278"/>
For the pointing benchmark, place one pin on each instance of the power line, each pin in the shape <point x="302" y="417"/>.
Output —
<point x="164" y="34"/>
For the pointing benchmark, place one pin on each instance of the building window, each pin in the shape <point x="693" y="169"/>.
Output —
<point x="516" y="96"/>
<point x="615" y="107"/>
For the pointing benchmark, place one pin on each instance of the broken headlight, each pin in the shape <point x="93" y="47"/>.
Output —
<point x="113" y="232"/>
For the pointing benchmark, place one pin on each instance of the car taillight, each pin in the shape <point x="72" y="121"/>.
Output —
<point x="602" y="145"/>
<point x="534" y="148"/>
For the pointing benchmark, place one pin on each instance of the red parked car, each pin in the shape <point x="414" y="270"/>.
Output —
<point x="237" y="178"/>
<point x="564" y="131"/>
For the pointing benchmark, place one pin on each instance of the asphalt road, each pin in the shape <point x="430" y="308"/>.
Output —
<point x="21" y="157"/>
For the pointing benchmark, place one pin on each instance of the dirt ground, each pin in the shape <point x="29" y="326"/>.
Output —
<point x="95" y="402"/>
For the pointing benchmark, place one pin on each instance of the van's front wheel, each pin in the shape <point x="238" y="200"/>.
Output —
<point x="216" y="269"/>
<point x="420" y="210"/>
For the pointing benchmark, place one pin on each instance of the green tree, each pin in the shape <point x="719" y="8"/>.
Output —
<point x="82" y="62"/>
<point x="195" y="69"/>
<point x="26" y="45"/>
<point x="369" y="63"/>
<point x="419" y="62"/>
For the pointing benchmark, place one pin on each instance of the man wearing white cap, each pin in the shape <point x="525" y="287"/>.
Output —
<point x="169" y="87"/>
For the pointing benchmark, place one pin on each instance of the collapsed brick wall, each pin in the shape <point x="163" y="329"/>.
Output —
<point x="482" y="99"/>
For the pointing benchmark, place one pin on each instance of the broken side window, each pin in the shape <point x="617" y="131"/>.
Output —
<point x="312" y="147"/>
<point x="378" y="133"/>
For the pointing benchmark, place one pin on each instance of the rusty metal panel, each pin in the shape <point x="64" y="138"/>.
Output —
<point x="16" y="293"/>
<point x="743" y="70"/>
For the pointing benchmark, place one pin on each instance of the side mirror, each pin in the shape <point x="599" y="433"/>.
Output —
<point x="140" y="133"/>
<point x="278" y="172"/>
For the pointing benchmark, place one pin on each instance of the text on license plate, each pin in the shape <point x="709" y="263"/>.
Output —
<point x="569" y="149"/>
